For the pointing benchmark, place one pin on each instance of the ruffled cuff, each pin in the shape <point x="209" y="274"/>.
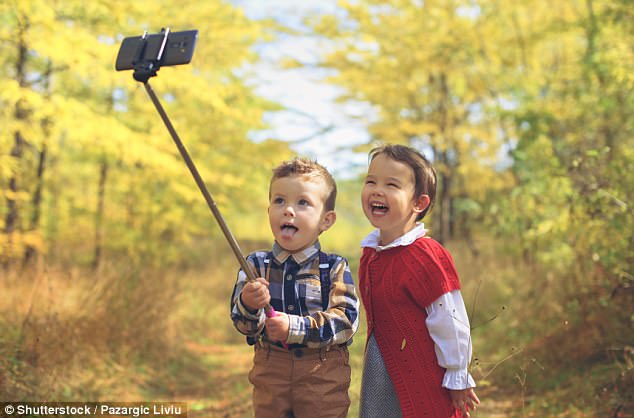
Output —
<point x="458" y="379"/>
<point x="296" y="329"/>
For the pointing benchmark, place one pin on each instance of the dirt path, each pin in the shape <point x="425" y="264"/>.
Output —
<point x="228" y="393"/>
<point x="224" y="391"/>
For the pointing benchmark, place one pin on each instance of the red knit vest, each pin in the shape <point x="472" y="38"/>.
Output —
<point x="396" y="285"/>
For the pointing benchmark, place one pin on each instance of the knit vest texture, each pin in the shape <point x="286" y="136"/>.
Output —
<point x="396" y="285"/>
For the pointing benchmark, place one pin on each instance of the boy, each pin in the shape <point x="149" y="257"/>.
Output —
<point x="300" y="366"/>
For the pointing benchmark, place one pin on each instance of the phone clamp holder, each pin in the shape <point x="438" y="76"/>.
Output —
<point x="148" y="56"/>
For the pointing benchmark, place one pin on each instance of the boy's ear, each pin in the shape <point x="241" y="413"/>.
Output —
<point x="421" y="203"/>
<point x="329" y="220"/>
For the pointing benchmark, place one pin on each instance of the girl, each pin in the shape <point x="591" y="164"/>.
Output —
<point x="419" y="344"/>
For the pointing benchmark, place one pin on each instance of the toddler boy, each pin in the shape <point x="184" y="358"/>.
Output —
<point x="301" y="358"/>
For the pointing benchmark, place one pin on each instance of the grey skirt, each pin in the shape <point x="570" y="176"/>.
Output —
<point x="378" y="396"/>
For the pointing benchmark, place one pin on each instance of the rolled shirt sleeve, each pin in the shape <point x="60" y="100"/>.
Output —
<point x="448" y="325"/>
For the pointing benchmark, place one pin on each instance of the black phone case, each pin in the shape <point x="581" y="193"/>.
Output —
<point x="179" y="49"/>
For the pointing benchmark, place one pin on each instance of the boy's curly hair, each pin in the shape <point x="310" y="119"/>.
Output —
<point x="300" y="166"/>
<point x="424" y="173"/>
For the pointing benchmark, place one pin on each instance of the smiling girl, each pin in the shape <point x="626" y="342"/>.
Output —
<point x="419" y="343"/>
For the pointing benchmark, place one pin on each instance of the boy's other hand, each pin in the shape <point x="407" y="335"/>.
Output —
<point x="277" y="327"/>
<point x="465" y="400"/>
<point x="255" y="295"/>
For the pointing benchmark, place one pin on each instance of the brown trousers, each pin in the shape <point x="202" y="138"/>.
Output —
<point x="301" y="382"/>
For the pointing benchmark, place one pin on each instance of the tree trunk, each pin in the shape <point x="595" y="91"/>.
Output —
<point x="101" y="193"/>
<point x="31" y="251"/>
<point x="11" y="222"/>
<point x="444" y="169"/>
<point x="445" y="208"/>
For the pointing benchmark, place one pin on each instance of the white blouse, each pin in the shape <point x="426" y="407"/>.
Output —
<point x="447" y="321"/>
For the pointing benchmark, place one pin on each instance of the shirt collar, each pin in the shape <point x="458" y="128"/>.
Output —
<point x="281" y="255"/>
<point x="373" y="239"/>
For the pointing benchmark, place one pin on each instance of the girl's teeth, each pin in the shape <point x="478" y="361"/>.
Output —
<point x="379" y="209"/>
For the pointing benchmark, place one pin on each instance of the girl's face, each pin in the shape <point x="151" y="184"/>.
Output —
<point x="388" y="198"/>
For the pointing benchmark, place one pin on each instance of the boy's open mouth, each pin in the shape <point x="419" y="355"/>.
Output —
<point x="378" y="208"/>
<point x="288" y="230"/>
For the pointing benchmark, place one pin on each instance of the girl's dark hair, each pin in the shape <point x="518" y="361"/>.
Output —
<point x="424" y="173"/>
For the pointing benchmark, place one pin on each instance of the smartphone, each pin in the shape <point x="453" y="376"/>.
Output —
<point x="179" y="49"/>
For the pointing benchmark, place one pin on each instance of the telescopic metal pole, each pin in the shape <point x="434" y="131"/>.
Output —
<point x="145" y="67"/>
<point x="268" y="309"/>
<point x="201" y="185"/>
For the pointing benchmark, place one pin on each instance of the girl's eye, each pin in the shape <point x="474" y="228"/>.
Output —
<point x="392" y="184"/>
<point x="303" y="202"/>
<point x="370" y="182"/>
<point x="278" y="200"/>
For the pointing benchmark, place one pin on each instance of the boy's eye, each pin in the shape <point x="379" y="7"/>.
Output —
<point x="370" y="182"/>
<point x="392" y="184"/>
<point x="303" y="202"/>
<point x="278" y="200"/>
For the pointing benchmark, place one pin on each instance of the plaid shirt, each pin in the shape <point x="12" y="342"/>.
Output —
<point x="295" y="288"/>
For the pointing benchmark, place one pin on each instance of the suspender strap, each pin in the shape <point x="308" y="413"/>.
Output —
<point x="267" y="265"/>
<point x="324" y="278"/>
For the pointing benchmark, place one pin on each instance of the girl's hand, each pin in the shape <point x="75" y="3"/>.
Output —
<point x="465" y="400"/>
<point x="277" y="327"/>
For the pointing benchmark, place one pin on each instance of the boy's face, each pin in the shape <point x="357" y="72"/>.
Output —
<point x="296" y="211"/>
<point x="388" y="197"/>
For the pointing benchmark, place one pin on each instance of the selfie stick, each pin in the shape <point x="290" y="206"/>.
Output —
<point x="143" y="70"/>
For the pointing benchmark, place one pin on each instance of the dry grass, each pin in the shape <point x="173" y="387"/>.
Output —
<point x="545" y="352"/>
<point x="70" y="335"/>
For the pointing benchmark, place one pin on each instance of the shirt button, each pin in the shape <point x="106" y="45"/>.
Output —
<point x="291" y="307"/>
<point x="289" y="277"/>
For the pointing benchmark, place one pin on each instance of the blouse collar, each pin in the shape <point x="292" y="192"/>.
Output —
<point x="373" y="239"/>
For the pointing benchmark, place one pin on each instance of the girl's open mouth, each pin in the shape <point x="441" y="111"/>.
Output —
<point x="378" y="208"/>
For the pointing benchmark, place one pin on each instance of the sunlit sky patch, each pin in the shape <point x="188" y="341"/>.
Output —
<point x="314" y="124"/>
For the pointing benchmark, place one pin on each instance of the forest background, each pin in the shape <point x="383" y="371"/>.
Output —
<point x="115" y="280"/>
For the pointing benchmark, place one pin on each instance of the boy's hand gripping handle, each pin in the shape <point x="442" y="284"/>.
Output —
<point x="268" y="309"/>
<point x="271" y="313"/>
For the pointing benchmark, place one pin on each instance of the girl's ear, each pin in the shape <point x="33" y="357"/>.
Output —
<point x="329" y="220"/>
<point x="421" y="203"/>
